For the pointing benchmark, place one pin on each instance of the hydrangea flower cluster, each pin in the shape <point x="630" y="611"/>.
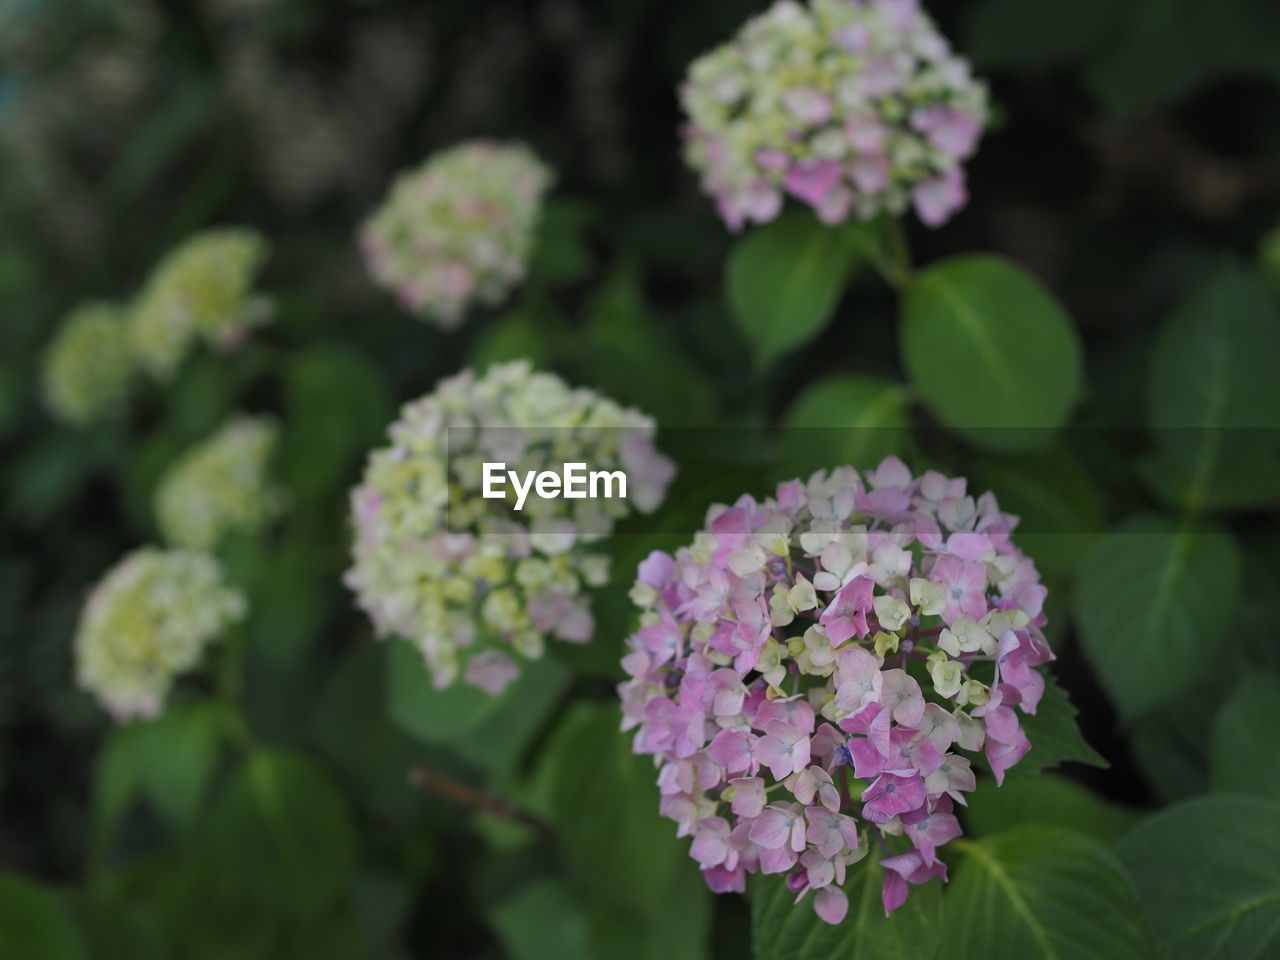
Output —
<point x="88" y="366"/>
<point x="810" y="672"/>
<point x="852" y="106"/>
<point x="221" y="485"/>
<point x="147" y="621"/>
<point x="458" y="230"/>
<point x="472" y="583"/>
<point x="203" y="288"/>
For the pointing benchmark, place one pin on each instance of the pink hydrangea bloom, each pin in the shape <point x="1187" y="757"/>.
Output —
<point x="811" y="672"/>
<point x="853" y="107"/>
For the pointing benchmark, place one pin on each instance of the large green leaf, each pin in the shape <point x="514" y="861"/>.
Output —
<point x="491" y="732"/>
<point x="560" y="251"/>
<point x="1170" y="742"/>
<point x="167" y="761"/>
<point x="1153" y="602"/>
<point x="371" y="753"/>
<point x="336" y="406"/>
<point x="1041" y="892"/>
<point x="636" y="874"/>
<point x="35" y="924"/>
<point x="784" y="280"/>
<point x="1049" y="801"/>
<point x="541" y="920"/>
<point x="1208" y="874"/>
<point x="513" y="336"/>
<point x="845" y="419"/>
<point x="630" y="352"/>
<point x="1213" y="396"/>
<point x="784" y="930"/>
<point x="1244" y="754"/>
<point x="992" y="353"/>
<point x="281" y="828"/>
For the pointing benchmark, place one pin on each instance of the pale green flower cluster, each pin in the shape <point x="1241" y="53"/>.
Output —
<point x="220" y="486"/>
<point x="470" y="580"/>
<point x="147" y="621"/>
<point x="88" y="366"/>
<point x="458" y="230"/>
<point x="202" y="289"/>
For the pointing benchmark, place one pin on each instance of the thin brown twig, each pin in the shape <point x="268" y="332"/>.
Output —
<point x="433" y="782"/>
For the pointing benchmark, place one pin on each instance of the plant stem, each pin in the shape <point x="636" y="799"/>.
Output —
<point x="433" y="782"/>
<point x="889" y="253"/>
<point x="899" y="252"/>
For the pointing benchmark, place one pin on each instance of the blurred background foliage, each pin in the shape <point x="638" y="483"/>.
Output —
<point x="1134" y="170"/>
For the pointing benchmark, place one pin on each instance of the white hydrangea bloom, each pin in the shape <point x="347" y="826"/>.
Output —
<point x="220" y="486"/>
<point x="88" y="366"/>
<point x="203" y="288"/>
<point x="148" y="620"/>
<point x="470" y="581"/>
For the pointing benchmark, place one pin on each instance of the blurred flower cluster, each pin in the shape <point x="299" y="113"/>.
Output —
<point x="470" y="581"/>
<point x="458" y="230"/>
<point x="88" y="366"/>
<point x="223" y="485"/>
<point x="75" y="86"/>
<point x="147" y="621"/>
<point x="855" y="107"/>
<point x="203" y="288"/>
<point x="807" y="671"/>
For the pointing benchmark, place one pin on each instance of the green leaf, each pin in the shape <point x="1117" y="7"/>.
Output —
<point x="149" y="151"/>
<point x="784" y="279"/>
<point x="168" y="761"/>
<point x="202" y="395"/>
<point x="436" y="716"/>
<point x="636" y="873"/>
<point x="1054" y="734"/>
<point x="368" y="750"/>
<point x="560" y="253"/>
<point x="679" y="930"/>
<point x="1153" y="603"/>
<point x="1244" y="754"/>
<point x="845" y="420"/>
<point x="489" y="731"/>
<point x="1208" y="874"/>
<point x="118" y="928"/>
<point x="281" y="828"/>
<point x="179" y="755"/>
<point x="1037" y="891"/>
<point x="513" y="336"/>
<point x="336" y="407"/>
<point x="1213" y="396"/>
<point x="626" y="341"/>
<point x="542" y="920"/>
<point x="1049" y="801"/>
<point x="1170" y="744"/>
<point x="35" y="924"/>
<point x="117" y="776"/>
<point x="784" y="930"/>
<point x="991" y="352"/>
